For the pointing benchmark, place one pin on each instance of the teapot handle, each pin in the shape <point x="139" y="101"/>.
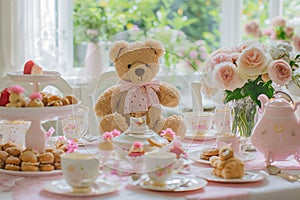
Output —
<point x="286" y="96"/>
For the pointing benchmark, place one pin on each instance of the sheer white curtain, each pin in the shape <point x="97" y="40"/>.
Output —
<point x="38" y="30"/>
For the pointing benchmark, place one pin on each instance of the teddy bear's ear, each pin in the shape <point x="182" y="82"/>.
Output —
<point x="116" y="49"/>
<point x="156" y="46"/>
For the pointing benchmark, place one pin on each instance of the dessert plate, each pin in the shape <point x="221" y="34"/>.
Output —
<point x="47" y="76"/>
<point x="31" y="174"/>
<point x="177" y="183"/>
<point x="101" y="187"/>
<point x="210" y="135"/>
<point x="250" y="176"/>
<point x="195" y="156"/>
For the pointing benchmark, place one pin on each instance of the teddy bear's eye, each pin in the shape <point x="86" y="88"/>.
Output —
<point x="147" y="65"/>
<point x="129" y="65"/>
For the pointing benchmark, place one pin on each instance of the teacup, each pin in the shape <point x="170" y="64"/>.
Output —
<point x="75" y="126"/>
<point x="80" y="170"/>
<point x="161" y="165"/>
<point x="198" y="123"/>
<point x="230" y="139"/>
<point x="222" y="119"/>
<point x="14" y="131"/>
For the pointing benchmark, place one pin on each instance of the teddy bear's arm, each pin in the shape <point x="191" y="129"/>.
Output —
<point x="103" y="105"/>
<point x="168" y="95"/>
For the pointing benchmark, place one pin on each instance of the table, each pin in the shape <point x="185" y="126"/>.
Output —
<point x="272" y="188"/>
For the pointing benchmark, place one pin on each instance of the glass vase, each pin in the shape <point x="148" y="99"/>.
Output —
<point x="243" y="117"/>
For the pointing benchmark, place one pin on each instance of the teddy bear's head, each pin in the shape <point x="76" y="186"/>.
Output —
<point x="225" y="153"/>
<point x="137" y="61"/>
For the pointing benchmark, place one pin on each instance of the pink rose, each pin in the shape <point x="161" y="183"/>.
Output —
<point x="225" y="75"/>
<point x="252" y="28"/>
<point x="252" y="62"/>
<point x="216" y="59"/>
<point x="278" y="21"/>
<point x="280" y="72"/>
<point x="289" y="31"/>
<point x="296" y="42"/>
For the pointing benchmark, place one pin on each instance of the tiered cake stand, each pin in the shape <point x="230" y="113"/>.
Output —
<point x="35" y="136"/>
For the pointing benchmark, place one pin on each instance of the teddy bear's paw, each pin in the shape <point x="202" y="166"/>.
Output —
<point x="113" y="121"/>
<point x="176" y="123"/>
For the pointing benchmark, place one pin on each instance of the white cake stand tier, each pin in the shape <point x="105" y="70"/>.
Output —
<point x="35" y="136"/>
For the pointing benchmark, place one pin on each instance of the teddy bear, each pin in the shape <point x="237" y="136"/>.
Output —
<point x="226" y="165"/>
<point x="138" y="94"/>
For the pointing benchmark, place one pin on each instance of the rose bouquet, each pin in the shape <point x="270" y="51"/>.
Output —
<point x="242" y="73"/>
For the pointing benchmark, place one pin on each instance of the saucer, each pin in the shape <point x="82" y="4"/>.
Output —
<point x="177" y="183"/>
<point x="195" y="156"/>
<point x="209" y="135"/>
<point x="100" y="187"/>
<point x="250" y="176"/>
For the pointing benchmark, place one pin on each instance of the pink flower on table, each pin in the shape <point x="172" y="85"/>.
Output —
<point x="270" y="33"/>
<point x="296" y="42"/>
<point x="280" y="72"/>
<point x="278" y="21"/>
<point x="252" y="62"/>
<point x="226" y="77"/>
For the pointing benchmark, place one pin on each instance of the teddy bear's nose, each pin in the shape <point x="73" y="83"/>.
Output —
<point x="139" y="71"/>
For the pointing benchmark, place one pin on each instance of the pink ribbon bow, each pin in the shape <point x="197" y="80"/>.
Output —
<point x="140" y="95"/>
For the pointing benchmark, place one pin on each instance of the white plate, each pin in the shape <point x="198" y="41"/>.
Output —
<point x="31" y="174"/>
<point x="250" y="176"/>
<point x="210" y="135"/>
<point x="195" y="156"/>
<point x="100" y="187"/>
<point x="172" y="184"/>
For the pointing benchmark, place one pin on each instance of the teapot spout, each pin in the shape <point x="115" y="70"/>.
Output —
<point x="263" y="100"/>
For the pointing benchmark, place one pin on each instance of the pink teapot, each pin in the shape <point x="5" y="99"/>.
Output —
<point x="277" y="133"/>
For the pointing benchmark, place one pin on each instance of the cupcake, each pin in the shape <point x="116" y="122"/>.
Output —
<point x="136" y="156"/>
<point x="105" y="146"/>
<point x="168" y="134"/>
<point x="35" y="100"/>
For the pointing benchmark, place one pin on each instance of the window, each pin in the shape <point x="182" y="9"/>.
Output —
<point x="43" y="30"/>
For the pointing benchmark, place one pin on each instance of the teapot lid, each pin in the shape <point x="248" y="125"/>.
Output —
<point x="281" y="99"/>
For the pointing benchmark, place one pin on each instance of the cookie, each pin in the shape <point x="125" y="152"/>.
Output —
<point x="209" y="152"/>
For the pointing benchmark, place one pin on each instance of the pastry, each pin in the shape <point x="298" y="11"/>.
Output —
<point x="35" y="100"/>
<point x="12" y="167"/>
<point x="4" y="155"/>
<point x="169" y="134"/>
<point x="2" y="164"/>
<point x="46" y="158"/>
<point x="65" y="101"/>
<point x="209" y="152"/>
<point x="46" y="167"/>
<point x="8" y="145"/>
<point x="106" y="143"/>
<point x="226" y="165"/>
<point x="137" y="149"/>
<point x="31" y="67"/>
<point x="154" y="142"/>
<point x="28" y="166"/>
<point x="13" y="161"/>
<point x="29" y="156"/>
<point x="4" y="97"/>
<point x="16" y="97"/>
<point x="57" y="165"/>
<point x="14" y="151"/>
<point x="72" y="99"/>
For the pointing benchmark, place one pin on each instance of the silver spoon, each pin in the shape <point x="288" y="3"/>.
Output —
<point x="273" y="170"/>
